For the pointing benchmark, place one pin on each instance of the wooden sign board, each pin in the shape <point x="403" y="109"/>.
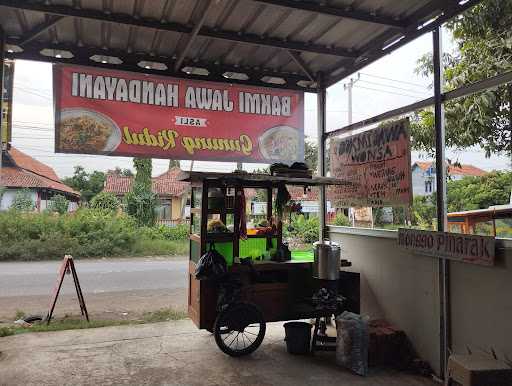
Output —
<point x="67" y="267"/>
<point x="472" y="249"/>
<point x="377" y="165"/>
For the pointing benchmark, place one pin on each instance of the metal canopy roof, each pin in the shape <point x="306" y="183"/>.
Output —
<point x="278" y="43"/>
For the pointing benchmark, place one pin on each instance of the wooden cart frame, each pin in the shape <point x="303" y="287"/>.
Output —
<point x="281" y="290"/>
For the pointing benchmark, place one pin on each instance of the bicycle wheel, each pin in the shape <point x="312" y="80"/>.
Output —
<point x="239" y="329"/>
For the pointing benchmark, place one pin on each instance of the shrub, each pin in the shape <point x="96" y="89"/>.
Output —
<point x="84" y="233"/>
<point x="106" y="201"/>
<point x="306" y="230"/>
<point x="23" y="201"/>
<point x="58" y="204"/>
<point x="342" y="220"/>
<point x="141" y="203"/>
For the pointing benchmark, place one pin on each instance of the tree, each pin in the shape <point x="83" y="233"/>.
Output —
<point x="173" y="163"/>
<point x="23" y="201"/>
<point x="141" y="201"/>
<point x="484" y="48"/>
<point x="479" y="192"/>
<point x="58" y="204"/>
<point x="311" y="154"/>
<point x="88" y="184"/>
<point x="123" y="172"/>
<point x="105" y="200"/>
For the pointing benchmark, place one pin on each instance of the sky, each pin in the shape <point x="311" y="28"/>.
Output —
<point x="384" y="85"/>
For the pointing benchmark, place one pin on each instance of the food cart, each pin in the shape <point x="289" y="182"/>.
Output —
<point x="259" y="289"/>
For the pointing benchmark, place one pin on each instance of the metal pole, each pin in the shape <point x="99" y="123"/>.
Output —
<point x="2" y="58"/>
<point x="444" y="267"/>
<point x="321" y="110"/>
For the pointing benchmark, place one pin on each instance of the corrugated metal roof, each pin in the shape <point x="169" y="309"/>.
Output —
<point x="255" y="37"/>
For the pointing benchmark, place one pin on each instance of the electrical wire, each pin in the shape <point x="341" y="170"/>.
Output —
<point x="389" y="92"/>
<point x="394" y="80"/>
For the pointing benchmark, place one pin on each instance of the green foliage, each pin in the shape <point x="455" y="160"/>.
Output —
<point x="88" y="184"/>
<point x="123" y="172"/>
<point x="341" y="220"/>
<point x="23" y="201"/>
<point x="423" y="212"/>
<point x="84" y="233"/>
<point x="178" y="232"/>
<point x="3" y="189"/>
<point x="141" y="201"/>
<point x="141" y="204"/>
<point x="479" y="192"/>
<point x="311" y="154"/>
<point x="106" y="201"/>
<point x="305" y="230"/>
<point x="143" y="166"/>
<point x="58" y="204"/>
<point x="484" y="49"/>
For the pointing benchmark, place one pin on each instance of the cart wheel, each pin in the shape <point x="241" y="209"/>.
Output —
<point x="239" y="329"/>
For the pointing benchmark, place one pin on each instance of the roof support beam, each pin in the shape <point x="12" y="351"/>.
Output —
<point x="374" y="50"/>
<point x="192" y="36"/>
<point x="303" y="66"/>
<point x="130" y="63"/>
<point x="347" y="12"/>
<point x="40" y="29"/>
<point x="91" y="14"/>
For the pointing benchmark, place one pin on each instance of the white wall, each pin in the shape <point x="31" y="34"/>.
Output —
<point x="403" y="288"/>
<point x="9" y="195"/>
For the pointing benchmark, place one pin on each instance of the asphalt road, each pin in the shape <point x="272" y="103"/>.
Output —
<point x="96" y="276"/>
<point x="113" y="288"/>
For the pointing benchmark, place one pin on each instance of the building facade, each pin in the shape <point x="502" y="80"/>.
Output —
<point x="172" y="194"/>
<point x="22" y="173"/>
<point x="424" y="176"/>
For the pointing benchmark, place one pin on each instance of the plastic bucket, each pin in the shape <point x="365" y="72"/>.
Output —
<point x="298" y="337"/>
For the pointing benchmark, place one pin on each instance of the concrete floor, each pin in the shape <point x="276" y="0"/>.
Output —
<point x="170" y="353"/>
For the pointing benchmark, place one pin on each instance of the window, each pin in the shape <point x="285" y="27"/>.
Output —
<point x="164" y="210"/>
<point x="428" y="186"/>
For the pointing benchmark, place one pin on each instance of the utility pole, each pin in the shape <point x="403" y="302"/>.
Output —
<point x="349" y="86"/>
<point x="2" y="59"/>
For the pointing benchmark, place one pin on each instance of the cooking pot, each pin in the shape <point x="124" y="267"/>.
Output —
<point x="327" y="260"/>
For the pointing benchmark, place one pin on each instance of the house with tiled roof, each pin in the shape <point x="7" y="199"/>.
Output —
<point x="171" y="192"/>
<point x="424" y="176"/>
<point x="22" y="172"/>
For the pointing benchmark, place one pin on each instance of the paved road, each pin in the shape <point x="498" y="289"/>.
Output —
<point x="96" y="276"/>
<point x="113" y="288"/>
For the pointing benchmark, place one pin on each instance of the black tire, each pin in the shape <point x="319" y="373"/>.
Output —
<point x="239" y="329"/>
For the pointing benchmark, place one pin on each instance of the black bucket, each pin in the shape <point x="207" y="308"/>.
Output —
<point x="298" y="337"/>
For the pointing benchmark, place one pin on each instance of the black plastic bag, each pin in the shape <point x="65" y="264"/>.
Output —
<point x="211" y="265"/>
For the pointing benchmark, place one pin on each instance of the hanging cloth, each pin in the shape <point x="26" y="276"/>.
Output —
<point x="240" y="208"/>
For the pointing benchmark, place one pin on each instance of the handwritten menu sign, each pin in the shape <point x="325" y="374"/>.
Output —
<point x="454" y="246"/>
<point x="377" y="165"/>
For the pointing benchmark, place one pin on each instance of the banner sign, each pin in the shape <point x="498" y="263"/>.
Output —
<point x="454" y="246"/>
<point x="100" y="111"/>
<point x="7" y="101"/>
<point x="377" y="165"/>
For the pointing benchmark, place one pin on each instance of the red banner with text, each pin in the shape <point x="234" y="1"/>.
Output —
<point x="108" y="112"/>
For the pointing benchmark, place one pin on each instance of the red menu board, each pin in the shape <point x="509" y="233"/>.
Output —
<point x="377" y="165"/>
<point x="108" y="112"/>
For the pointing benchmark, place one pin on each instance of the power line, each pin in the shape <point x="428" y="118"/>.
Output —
<point x="394" y="80"/>
<point x="389" y="92"/>
<point x="390" y="86"/>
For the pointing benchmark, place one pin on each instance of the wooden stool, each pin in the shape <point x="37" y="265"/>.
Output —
<point x="474" y="370"/>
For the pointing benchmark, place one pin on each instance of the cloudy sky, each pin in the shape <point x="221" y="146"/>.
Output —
<point x="386" y="84"/>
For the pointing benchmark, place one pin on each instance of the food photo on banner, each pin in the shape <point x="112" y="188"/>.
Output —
<point x="376" y="163"/>
<point x="101" y="111"/>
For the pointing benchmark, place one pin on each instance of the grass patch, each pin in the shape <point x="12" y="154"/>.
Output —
<point x="162" y="315"/>
<point x="148" y="247"/>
